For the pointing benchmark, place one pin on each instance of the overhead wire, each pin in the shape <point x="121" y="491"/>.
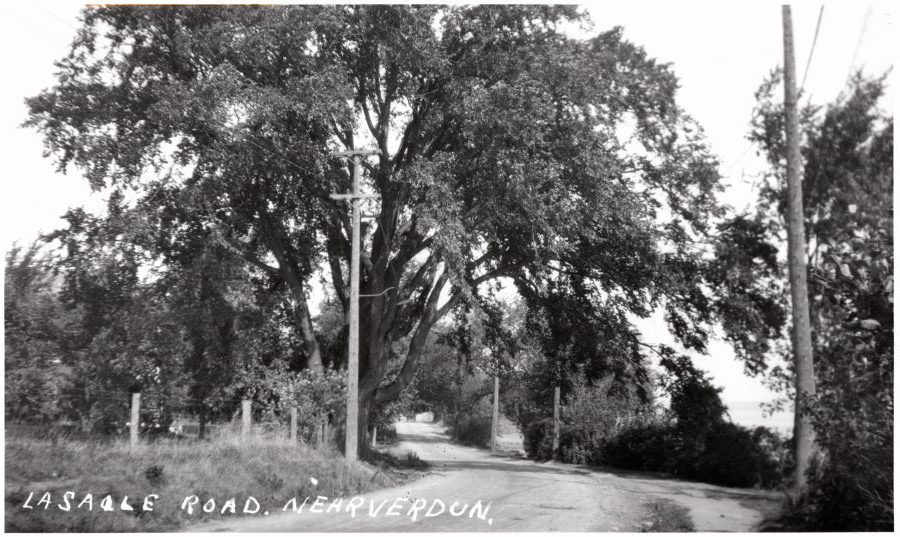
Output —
<point x="809" y="59"/>
<point x="812" y="48"/>
<point x="859" y="41"/>
<point x="46" y="34"/>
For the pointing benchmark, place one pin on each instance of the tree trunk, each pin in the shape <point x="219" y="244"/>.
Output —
<point x="304" y="322"/>
<point x="362" y="425"/>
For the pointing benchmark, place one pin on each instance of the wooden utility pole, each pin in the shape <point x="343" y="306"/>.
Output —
<point x="293" y="425"/>
<point x="555" y="421"/>
<point x="351" y="442"/>
<point x="495" y="416"/>
<point x="805" y="382"/>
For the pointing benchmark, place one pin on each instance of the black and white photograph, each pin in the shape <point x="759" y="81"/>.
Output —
<point x="623" y="266"/>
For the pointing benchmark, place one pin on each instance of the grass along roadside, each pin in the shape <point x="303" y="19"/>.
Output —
<point x="272" y="471"/>
<point x="666" y="516"/>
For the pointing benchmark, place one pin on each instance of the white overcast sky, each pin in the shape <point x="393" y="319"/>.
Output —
<point x="719" y="50"/>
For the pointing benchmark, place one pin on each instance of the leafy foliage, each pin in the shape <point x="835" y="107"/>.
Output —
<point x="848" y="181"/>
<point x="692" y="440"/>
<point x="520" y="153"/>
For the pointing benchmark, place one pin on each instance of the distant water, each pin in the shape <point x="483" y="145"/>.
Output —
<point x="749" y="414"/>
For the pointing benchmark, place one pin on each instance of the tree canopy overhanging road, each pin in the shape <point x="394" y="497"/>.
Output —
<point x="508" y="150"/>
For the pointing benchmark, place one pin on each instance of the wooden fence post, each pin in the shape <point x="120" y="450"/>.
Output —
<point x="245" y="419"/>
<point x="555" y="421"/>
<point x="495" y="414"/>
<point x="293" y="425"/>
<point x="135" y="419"/>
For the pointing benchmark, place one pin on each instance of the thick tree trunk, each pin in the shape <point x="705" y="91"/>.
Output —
<point x="289" y="270"/>
<point x="366" y="409"/>
<point x="304" y="322"/>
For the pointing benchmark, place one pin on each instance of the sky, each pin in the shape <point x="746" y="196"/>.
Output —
<point x="720" y="51"/>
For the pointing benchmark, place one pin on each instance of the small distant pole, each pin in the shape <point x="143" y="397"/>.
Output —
<point x="495" y="424"/>
<point x="135" y="418"/>
<point x="245" y="419"/>
<point x="293" y="425"/>
<point x="555" y="421"/>
<point x="374" y="436"/>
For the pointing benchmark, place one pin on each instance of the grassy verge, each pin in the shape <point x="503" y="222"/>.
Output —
<point x="666" y="516"/>
<point x="400" y="463"/>
<point x="269" y="470"/>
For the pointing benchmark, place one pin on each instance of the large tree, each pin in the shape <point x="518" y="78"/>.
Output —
<point x="508" y="149"/>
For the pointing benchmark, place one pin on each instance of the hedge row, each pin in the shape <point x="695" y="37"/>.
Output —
<point x="723" y="454"/>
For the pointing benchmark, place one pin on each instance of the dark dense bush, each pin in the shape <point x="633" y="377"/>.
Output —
<point x="387" y="434"/>
<point x="646" y="448"/>
<point x="472" y="430"/>
<point x="728" y="454"/>
<point x="733" y="457"/>
<point x="698" y="444"/>
<point x="581" y="446"/>
<point x="538" y="440"/>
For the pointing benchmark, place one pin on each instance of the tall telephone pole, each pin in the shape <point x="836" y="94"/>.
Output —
<point x="351" y="441"/>
<point x="805" y="382"/>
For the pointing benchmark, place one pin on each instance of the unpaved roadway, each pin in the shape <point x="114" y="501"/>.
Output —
<point x="524" y="496"/>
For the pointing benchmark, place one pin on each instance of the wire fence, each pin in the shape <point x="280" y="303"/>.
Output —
<point x="147" y="417"/>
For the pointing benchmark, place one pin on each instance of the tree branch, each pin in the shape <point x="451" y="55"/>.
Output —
<point x="244" y="254"/>
<point x="291" y="274"/>
<point x="417" y="345"/>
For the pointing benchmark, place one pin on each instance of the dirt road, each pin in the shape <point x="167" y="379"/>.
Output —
<point x="523" y="496"/>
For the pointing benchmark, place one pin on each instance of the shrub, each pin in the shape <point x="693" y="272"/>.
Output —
<point x="602" y="426"/>
<point x="733" y="457"/>
<point x="594" y="412"/>
<point x="472" y="430"/>
<point x="727" y="454"/>
<point x="852" y="489"/>
<point x="387" y="434"/>
<point x="580" y="446"/>
<point x="538" y="440"/>
<point x="647" y="448"/>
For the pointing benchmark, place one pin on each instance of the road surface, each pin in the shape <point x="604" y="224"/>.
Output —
<point x="515" y="495"/>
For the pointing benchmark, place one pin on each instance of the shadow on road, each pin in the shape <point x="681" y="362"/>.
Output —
<point x="421" y="438"/>
<point x="505" y="465"/>
<point x="667" y="480"/>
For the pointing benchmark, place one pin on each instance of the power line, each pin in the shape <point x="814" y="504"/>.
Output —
<point x="812" y="48"/>
<point x="55" y="16"/>
<point x="46" y="34"/>
<point x="859" y="40"/>
<point x="737" y="160"/>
